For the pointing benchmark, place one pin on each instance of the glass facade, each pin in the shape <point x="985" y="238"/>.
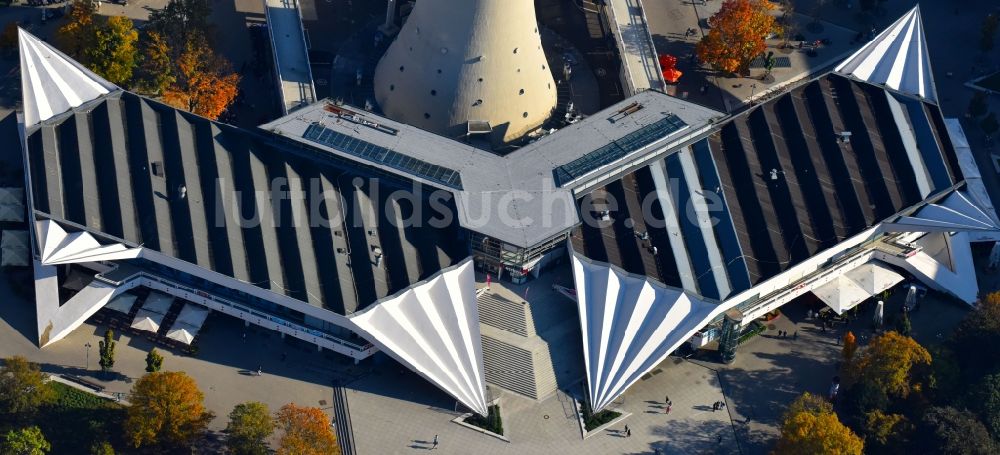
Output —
<point x="505" y="261"/>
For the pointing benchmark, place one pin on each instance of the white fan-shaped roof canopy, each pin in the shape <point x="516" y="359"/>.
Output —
<point x="52" y="83"/>
<point x="59" y="247"/>
<point x="897" y="58"/>
<point x="955" y="213"/>
<point x="629" y="325"/>
<point x="433" y="328"/>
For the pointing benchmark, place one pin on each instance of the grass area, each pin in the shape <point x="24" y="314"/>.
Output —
<point x="991" y="82"/>
<point x="593" y="420"/>
<point x="491" y="422"/>
<point x="76" y="420"/>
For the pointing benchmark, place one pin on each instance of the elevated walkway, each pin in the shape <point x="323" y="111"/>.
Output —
<point x="640" y="67"/>
<point x="291" y="54"/>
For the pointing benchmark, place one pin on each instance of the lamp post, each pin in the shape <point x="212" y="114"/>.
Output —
<point x="87" y="345"/>
<point x="753" y="87"/>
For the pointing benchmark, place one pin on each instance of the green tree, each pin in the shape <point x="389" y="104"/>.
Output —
<point x="102" y="448"/>
<point x="861" y="399"/>
<point x="167" y="410"/>
<point x="977" y="338"/>
<point x="8" y="38"/>
<point x="154" y="361"/>
<point x="787" y="21"/>
<point x="26" y="441"/>
<point x="984" y="398"/>
<point x="156" y="72"/>
<point x="978" y="105"/>
<point x="989" y="124"/>
<point x="946" y="374"/>
<point x="250" y="424"/>
<point x="76" y="34"/>
<point x="988" y="32"/>
<point x="113" y="53"/>
<point x="22" y="388"/>
<point x="106" y="347"/>
<point x="884" y="431"/>
<point x="951" y="431"/>
<point x="903" y="325"/>
<point x="176" y="21"/>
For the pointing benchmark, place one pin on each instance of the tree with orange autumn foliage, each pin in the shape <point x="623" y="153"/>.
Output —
<point x="817" y="433"/>
<point x="306" y="432"/>
<point x="203" y="82"/>
<point x="892" y="363"/>
<point x="166" y="411"/>
<point x="850" y="346"/>
<point x="737" y="35"/>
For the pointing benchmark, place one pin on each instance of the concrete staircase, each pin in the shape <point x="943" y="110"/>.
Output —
<point x="515" y="357"/>
<point x="342" y="421"/>
<point x="498" y="312"/>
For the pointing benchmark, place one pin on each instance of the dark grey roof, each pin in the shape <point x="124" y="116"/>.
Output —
<point x="825" y="190"/>
<point x="116" y="166"/>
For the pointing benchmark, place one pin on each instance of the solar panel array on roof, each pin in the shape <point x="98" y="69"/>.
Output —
<point x="617" y="149"/>
<point x="381" y="155"/>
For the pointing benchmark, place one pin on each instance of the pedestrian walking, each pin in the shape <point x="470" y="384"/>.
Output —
<point x="435" y="443"/>
<point x="747" y="421"/>
<point x="628" y="433"/>
<point x="715" y="406"/>
<point x="259" y="371"/>
<point x="795" y="335"/>
<point x="668" y="408"/>
<point x="719" y="439"/>
<point x="666" y="399"/>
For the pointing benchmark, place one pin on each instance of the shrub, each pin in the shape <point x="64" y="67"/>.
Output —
<point x="492" y="422"/>
<point x="592" y="420"/>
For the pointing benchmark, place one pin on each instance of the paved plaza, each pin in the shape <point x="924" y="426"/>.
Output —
<point x="769" y="371"/>
<point x="548" y="426"/>
<point x="224" y="368"/>
<point x="669" y="21"/>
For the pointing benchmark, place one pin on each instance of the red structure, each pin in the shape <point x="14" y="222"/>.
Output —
<point x="668" y="63"/>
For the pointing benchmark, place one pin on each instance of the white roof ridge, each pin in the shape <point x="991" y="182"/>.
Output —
<point x="52" y="82"/>
<point x="897" y="58"/>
